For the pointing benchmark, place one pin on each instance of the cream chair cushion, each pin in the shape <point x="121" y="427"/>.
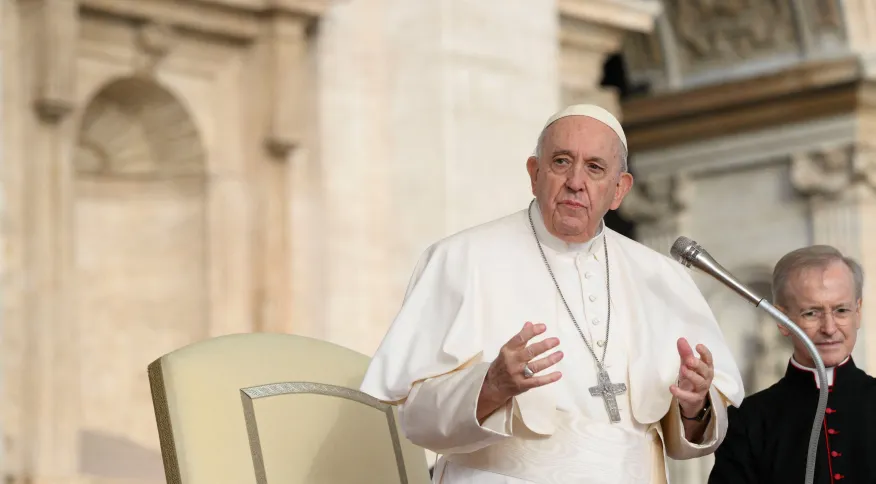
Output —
<point x="279" y="409"/>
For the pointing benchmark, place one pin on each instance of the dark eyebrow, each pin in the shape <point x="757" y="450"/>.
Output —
<point x="572" y="155"/>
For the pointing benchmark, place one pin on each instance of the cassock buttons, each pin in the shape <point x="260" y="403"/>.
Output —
<point x="836" y="454"/>
<point x="595" y="321"/>
<point x="830" y="411"/>
<point x="600" y="343"/>
<point x="588" y="275"/>
<point x="592" y="297"/>
<point x="838" y="476"/>
<point x="832" y="431"/>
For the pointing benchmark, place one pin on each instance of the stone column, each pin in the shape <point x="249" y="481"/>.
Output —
<point x="839" y="182"/>
<point x="4" y="265"/>
<point x="658" y="206"/>
<point x="286" y="69"/>
<point x="43" y="35"/>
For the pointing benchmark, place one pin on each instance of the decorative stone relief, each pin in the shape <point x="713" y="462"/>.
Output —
<point x="824" y="15"/>
<point x="726" y="31"/>
<point x="657" y="205"/>
<point x="643" y="52"/>
<point x="655" y="199"/>
<point x="833" y="170"/>
<point x="154" y="41"/>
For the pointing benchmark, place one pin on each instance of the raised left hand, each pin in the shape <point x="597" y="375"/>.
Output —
<point x="694" y="378"/>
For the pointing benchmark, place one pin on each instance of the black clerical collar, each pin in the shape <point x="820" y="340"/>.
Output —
<point x="592" y="246"/>
<point x="800" y="373"/>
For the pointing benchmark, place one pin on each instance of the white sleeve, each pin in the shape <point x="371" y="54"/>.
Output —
<point x="678" y="447"/>
<point x="440" y="414"/>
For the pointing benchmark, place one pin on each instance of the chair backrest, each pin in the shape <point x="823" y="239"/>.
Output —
<point x="266" y="408"/>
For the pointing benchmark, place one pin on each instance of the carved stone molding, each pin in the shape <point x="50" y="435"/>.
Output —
<point x="825" y="16"/>
<point x="154" y="41"/>
<point x="56" y="23"/>
<point x="719" y="32"/>
<point x="834" y="170"/>
<point x="708" y="42"/>
<point x="657" y="199"/>
<point x="287" y="50"/>
<point x="231" y="19"/>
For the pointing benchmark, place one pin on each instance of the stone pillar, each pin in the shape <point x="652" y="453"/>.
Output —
<point x="590" y="31"/>
<point x="285" y="45"/>
<point x="39" y="93"/>
<point x="4" y="271"/>
<point x="658" y="205"/>
<point x="839" y="182"/>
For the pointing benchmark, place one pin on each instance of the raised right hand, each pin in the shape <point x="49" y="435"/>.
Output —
<point x="505" y="379"/>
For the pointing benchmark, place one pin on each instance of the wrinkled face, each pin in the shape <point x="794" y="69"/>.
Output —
<point x="822" y="302"/>
<point x="577" y="177"/>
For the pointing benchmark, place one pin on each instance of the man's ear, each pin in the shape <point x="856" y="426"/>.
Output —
<point x="532" y="168"/>
<point x="624" y="184"/>
<point x="858" y="315"/>
<point x="785" y="332"/>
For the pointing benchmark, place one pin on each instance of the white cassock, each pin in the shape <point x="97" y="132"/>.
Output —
<point x="471" y="292"/>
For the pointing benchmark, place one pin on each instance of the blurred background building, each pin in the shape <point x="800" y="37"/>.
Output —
<point x="176" y="170"/>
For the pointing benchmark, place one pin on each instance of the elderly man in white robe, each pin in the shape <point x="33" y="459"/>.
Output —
<point x="543" y="347"/>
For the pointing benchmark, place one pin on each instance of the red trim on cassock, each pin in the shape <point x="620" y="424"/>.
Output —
<point x="827" y="443"/>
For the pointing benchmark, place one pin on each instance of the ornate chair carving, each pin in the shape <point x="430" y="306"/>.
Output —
<point x="272" y="408"/>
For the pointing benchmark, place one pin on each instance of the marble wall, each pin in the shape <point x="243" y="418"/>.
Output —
<point x="427" y="115"/>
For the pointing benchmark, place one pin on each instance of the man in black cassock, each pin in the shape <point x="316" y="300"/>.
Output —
<point x="768" y="435"/>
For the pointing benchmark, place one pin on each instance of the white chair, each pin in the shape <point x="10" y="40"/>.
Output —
<point x="266" y="408"/>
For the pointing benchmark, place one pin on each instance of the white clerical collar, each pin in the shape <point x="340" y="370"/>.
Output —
<point x="828" y="370"/>
<point x="592" y="246"/>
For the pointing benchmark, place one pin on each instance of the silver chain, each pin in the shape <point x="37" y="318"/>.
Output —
<point x="607" y="292"/>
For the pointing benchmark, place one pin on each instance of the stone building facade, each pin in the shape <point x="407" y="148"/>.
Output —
<point x="175" y="171"/>
<point x="756" y="138"/>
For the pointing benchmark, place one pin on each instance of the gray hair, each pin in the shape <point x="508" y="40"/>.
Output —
<point x="815" y="256"/>
<point x="623" y="148"/>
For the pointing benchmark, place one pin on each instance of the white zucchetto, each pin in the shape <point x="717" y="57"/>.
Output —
<point x="591" y="111"/>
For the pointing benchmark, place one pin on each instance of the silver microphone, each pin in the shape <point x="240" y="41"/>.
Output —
<point x="689" y="254"/>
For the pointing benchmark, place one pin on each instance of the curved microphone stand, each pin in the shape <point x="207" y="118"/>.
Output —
<point x="690" y="254"/>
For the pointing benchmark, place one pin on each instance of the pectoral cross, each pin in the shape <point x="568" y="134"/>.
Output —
<point x="607" y="390"/>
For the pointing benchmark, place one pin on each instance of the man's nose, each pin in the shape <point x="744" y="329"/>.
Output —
<point x="576" y="178"/>
<point x="828" y="325"/>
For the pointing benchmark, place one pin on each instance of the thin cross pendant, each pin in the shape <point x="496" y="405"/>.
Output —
<point x="607" y="390"/>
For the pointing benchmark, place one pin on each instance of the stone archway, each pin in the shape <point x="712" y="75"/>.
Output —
<point x="139" y="261"/>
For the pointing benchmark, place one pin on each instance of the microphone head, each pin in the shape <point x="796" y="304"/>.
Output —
<point x="685" y="251"/>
